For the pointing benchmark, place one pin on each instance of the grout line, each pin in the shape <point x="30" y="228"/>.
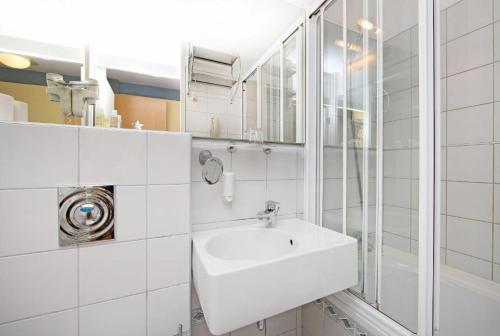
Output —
<point x="93" y="244"/>
<point x="493" y="158"/>
<point x="39" y="315"/>
<point x="147" y="235"/>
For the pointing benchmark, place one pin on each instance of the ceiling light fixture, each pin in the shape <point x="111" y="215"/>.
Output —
<point x="15" y="61"/>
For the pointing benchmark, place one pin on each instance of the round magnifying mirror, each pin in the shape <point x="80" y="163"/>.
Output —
<point x="212" y="170"/>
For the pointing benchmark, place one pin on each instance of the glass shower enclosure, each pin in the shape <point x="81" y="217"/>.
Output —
<point x="369" y="149"/>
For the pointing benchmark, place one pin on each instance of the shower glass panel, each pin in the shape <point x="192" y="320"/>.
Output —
<point x="270" y="98"/>
<point x="361" y="112"/>
<point x="369" y="160"/>
<point x="332" y="101"/>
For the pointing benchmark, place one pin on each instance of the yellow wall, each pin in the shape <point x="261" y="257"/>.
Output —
<point x="40" y="108"/>
<point x="173" y="116"/>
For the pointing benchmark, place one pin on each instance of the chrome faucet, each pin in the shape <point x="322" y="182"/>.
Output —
<point x="270" y="214"/>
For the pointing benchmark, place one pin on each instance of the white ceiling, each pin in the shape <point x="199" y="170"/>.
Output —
<point x="152" y="31"/>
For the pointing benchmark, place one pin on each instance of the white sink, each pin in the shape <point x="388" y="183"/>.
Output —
<point x="249" y="273"/>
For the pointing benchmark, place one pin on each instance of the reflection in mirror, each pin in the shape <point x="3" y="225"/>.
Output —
<point x="141" y="99"/>
<point x="292" y="118"/>
<point x="23" y="89"/>
<point x="270" y="98"/>
<point x="124" y="99"/>
<point x="250" y="103"/>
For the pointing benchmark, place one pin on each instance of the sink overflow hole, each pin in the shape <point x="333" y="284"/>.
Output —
<point x="291" y="242"/>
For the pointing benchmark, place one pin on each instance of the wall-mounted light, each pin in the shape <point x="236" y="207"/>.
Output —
<point x="15" y="61"/>
<point x="365" y="24"/>
<point x="350" y="46"/>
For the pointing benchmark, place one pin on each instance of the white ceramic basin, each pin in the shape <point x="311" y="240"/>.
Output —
<point x="250" y="244"/>
<point x="249" y="273"/>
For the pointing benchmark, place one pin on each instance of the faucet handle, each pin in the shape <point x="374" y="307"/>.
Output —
<point x="273" y="206"/>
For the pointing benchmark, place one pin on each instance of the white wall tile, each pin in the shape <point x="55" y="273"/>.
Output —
<point x="332" y="194"/>
<point x="397" y="220"/>
<point x="201" y="329"/>
<point x="168" y="209"/>
<point x="470" y="125"/>
<point x="130" y="207"/>
<point x="497" y="163"/>
<point x="112" y="156"/>
<point x="470" y="51"/>
<point x="444" y="66"/>
<point x="397" y="134"/>
<point x="470" y="200"/>
<point x="111" y="271"/>
<point x="300" y="163"/>
<point x="168" y="261"/>
<point x="469" y="237"/>
<point x="468" y="15"/>
<point x="496" y="217"/>
<point x="169" y="158"/>
<point x="397" y="49"/>
<point x="332" y="219"/>
<point x="300" y="196"/>
<point x="397" y="192"/>
<point x="469" y="264"/>
<point x="496" y="273"/>
<point x="167" y="308"/>
<point x="497" y="79"/>
<point x="282" y="165"/>
<point x="249" y="330"/>
<point x="496" y="125"/>
<point x="496" y="41"/>
<point x="312" y="320"/>
<point x="397" y="163"/>
<point x="332" y="163"/>
<point x="197" y="122"/>
<point x="285" y="192"/>
<point x="122" y="317"/>
<point x="397" y="242"/>
<point x="470" y="163"/>
<point x="207" y="204"/>
<point x="63" y="323"/>
<point x="30" y="287"/>
<point x="496" y="243"/>
<point x="399" y="106"/>
<point x="397" y="77"/>
<point x="23" y="231"/>
<point x="198" y="102"/>
<point x="473" y="87"/>
<point x="281" y="323"/>
<point x="249" y="165"/>
<point x="35" y="156"/>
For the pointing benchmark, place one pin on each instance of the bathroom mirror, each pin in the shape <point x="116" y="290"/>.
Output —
<point x="266" y="105"/>
<point x="126" y="99"/>
<point x="143" y="72"/>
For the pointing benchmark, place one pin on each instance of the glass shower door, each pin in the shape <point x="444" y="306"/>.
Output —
<point x="369" y="149"/>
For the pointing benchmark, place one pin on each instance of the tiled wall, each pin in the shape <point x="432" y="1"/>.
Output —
<point x="278" y="176"/>
<point x="206" y="102"/>
<point x="135" y="285"/>
<point x="470" y="71"/>
<point x="288" y="323"/>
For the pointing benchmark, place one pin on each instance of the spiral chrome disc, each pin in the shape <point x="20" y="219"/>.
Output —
<point x="86" y="214"/>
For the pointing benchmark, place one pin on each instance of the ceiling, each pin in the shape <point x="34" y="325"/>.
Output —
<point x="151" y="32"/>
